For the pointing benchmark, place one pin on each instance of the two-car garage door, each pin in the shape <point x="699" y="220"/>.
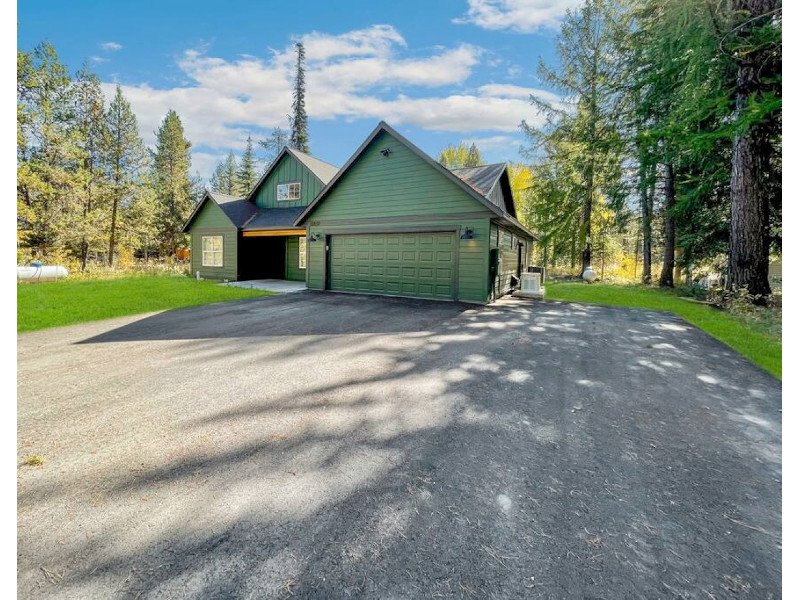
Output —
<point x="420" y="264"/>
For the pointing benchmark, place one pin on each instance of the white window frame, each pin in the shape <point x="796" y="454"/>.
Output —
<point x="288" y="192"/>
<point x="302" y="252"/>
<point x="209" y="255"/>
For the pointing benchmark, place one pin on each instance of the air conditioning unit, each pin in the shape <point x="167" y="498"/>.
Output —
<point x="532" y="284"/>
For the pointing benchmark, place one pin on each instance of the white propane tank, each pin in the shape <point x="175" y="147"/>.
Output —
<point x="589" y="275"/>
<point x="38" y="273"/>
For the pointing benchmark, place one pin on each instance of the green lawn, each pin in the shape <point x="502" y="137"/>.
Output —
<point x="750" y="339"/>
<point x="41" y="305"/>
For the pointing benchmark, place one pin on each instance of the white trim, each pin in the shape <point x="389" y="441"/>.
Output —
<point x="302" y="252"/>
<point x="212" y="252"/>
<point x="289" y="197"/>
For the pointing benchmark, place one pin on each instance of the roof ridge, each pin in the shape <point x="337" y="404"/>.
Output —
<point x="213" y="193"/>
<point x="497" y="164"/>
<point x="311" y="156"/>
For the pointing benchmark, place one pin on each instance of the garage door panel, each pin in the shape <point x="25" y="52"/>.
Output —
<point x="409" y="264"/>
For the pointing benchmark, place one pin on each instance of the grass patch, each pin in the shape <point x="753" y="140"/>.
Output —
<point x="42" y="305"/>
<point x="33" y="460"/>
<point x="759" y="341"/>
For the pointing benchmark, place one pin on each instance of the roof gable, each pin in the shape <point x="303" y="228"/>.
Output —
<point x="198" y="209"/>
<point x="491" y="181"/>
<point x="383" y="127"/>
<point x="319" y="169"/>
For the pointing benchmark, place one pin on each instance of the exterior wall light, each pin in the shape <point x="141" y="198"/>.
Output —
<point x="313" y="237"/>
<point x="467" y="235"/>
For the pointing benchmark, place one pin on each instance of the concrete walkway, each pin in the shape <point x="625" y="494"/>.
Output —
<point x="277" y="286"/>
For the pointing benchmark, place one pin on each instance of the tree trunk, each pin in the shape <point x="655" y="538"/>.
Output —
<point x="647" y="230"/>
<point x="544" y="254"/>
<point x="668" y="268"/>
<point x="573" y="250"/>
<point x="112" y="240"/>
<point x="84" y="253"/>
<point x="586" y="257"/>
<point x="748" y="265"/>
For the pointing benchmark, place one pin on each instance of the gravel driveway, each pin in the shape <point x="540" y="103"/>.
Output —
<point x="335" y="446"/>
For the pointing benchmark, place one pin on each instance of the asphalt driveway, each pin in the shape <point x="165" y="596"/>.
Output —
<point x="334" y="446"/>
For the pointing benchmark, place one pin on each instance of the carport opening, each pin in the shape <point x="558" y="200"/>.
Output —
<point x="262" y="258"/>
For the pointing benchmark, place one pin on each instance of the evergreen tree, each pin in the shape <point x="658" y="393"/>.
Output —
<point x="275" y="143"/>
<point x="231" y="175"/>
<point x="126" y="157"/>
<point x="460" y="156"/>
<point x="225" y="178"/>
<point x="91" y="124"/>
<point x="756" y="37"/>
<point x="247" y="175"/>
<point x="588" y="66"/>
<point x="299" y="136"/>
<point x="140" y="217"/>
<point x="173" y="187"/>
<point x="50" y="175"/>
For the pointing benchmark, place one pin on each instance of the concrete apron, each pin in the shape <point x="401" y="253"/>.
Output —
<point x="278" y="286"/>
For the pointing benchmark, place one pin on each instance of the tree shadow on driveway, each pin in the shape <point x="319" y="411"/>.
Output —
<point x="518" y="450"/>
<point x="303" y="313"/>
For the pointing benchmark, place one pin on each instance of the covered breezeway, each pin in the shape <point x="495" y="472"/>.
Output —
<point x="272" y="254"/>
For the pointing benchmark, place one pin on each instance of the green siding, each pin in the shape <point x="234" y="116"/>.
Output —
<point x="396" y="185"/>
<point x="288" y="170"/>
<point x="293" y="270"/>
<point x="212" y="221"/>
<point x="405" y="192"/>
<point x="506" y="241"/>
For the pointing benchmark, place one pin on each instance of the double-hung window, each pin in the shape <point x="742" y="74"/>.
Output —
<point x="212" y="250"/>
<point x="301" y="262"/>
<point x="288" y="191"/>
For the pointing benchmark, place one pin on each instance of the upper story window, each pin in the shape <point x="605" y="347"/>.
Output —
<point x="288" y="191"/>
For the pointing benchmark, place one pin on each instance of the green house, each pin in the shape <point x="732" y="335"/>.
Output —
<point x="393" y="221"/>
<point x="255" y="237"/>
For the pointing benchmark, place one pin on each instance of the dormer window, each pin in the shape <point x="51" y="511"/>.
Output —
<point x="288" y="191"/>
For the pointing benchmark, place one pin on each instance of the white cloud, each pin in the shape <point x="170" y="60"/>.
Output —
<point x="376" y="40"/>
<point x="358" y="74"/>
<point x="111" y="46"/>
<point x="205" y="163"/>
<point x="496" y="143"/>
<point x="516" y="91"/>
<point x="523" y="16"/>
<point x="98" y="59"/>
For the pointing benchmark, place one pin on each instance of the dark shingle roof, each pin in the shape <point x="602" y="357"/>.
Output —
<point x="269" y="218"/>
<point x="238" y="210"/>
<point x="482" y="178"/>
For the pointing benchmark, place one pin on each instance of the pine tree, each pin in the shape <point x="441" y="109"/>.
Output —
<point x="275" y="142"/>
<point x="299" y="136"/>
<point x="589" y="65"/>
<point x="247" y="175"/>
<point x="231" y="175"/>
<point x="50" y="176"/>
<point x="89" y="224"/>
<point x="757" y="37"/>
<point x="225" y="178"/>
<point x="126" y="156"/>
<point x="173" y="187"/>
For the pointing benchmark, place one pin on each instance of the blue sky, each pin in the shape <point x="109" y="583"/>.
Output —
<point x="440" y="72"/>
